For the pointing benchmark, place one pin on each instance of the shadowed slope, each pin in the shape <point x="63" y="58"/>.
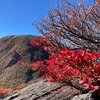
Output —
<point x="13" y="49"/>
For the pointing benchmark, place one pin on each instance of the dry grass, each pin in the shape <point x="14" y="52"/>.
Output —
<point x="16" y="76"/>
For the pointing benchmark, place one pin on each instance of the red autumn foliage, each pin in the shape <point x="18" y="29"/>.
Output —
<point x="75" y="25"/>
<point x="71" y="36"/>
<point x="87" y="83"/>
<point x="4" y="90"/>
<point x="21" y="62"/>
<point x="66" y="64"/>
<point x="36" y="41"/>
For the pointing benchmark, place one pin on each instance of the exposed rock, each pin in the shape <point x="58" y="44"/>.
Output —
<point x="87" y="96"/>
<point x="43" y="90"/>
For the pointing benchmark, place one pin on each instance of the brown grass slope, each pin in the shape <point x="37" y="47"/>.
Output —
<point x="11" y="73"/>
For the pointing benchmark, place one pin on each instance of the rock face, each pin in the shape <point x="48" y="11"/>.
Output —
<point x="43" y="90"/>
<point x="87" y="96"/>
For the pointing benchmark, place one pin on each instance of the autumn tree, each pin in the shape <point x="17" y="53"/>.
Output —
<point x="71" y="36"/>
<point x="73" y="25"/>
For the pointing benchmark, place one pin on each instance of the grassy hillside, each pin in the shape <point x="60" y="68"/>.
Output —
<point x="12" y="75"/>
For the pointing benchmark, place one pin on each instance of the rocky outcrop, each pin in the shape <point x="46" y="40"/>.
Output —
<point x="87" y="96"/>
<point x="43" y="90"/>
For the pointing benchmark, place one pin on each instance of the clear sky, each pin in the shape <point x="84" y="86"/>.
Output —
<point x="17" y="16"/>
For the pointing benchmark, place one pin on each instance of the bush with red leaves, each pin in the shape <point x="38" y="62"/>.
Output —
<point x="66" y="64"/>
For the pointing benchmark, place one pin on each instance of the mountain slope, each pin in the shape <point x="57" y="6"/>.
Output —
<point x="24" y="83"/>
<point x="12" y="50"/>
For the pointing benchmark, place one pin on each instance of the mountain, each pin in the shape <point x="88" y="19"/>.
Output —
<point x="23" y="83"/>
<point x="12" y="50"/>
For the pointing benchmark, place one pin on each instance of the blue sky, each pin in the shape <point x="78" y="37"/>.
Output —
<point x="17" y="16"/>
